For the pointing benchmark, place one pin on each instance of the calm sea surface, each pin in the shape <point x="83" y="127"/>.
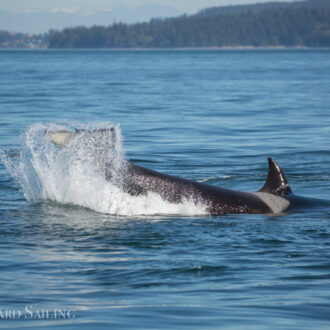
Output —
<point x="93" y="258"/>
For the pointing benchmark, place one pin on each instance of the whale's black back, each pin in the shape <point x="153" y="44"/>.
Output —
<point x="141" y="181"/>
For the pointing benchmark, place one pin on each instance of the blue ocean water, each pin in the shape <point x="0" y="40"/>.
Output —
<point x="93" y="258"/>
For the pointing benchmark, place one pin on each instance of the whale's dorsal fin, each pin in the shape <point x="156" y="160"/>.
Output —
<point x="276" y="182"/>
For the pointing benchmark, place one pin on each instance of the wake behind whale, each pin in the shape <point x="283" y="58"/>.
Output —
<point x="86" y="166"/>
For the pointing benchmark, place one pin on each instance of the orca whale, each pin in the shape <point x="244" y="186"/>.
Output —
<point x="274" y="197"/>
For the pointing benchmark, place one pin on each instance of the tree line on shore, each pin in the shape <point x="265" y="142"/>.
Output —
<point x="290" y="27"/>
<point x="286" y="24"/>
<point x="23" y="40"/>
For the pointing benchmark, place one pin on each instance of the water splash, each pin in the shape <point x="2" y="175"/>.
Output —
<point x="75" y="174"/>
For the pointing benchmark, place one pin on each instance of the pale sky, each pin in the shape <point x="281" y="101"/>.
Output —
<point x="44" y="5"/>
<point x="38" y="16"/>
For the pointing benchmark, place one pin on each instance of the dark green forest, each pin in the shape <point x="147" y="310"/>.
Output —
<point x="272" y="24"/>
<point x="264" y="25"/>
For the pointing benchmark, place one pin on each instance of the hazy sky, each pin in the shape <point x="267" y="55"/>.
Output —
<point x="38" y="16"/>
<point x="72" y="5"/>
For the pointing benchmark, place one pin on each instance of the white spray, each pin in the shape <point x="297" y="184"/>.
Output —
<point x="75" y="174"/>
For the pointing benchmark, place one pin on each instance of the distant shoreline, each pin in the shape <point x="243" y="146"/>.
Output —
<point x="177" y="49"/>
<point x="301" y="24"/>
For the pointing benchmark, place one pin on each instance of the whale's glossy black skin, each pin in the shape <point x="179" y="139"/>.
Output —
<point x="139" y="181"/>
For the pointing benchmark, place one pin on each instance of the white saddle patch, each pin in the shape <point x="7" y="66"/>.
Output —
<point x="276" y="203"/>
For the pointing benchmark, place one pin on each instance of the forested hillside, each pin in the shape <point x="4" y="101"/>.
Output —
<point x="273" y="26"/>
<point x="259" y="7"/>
